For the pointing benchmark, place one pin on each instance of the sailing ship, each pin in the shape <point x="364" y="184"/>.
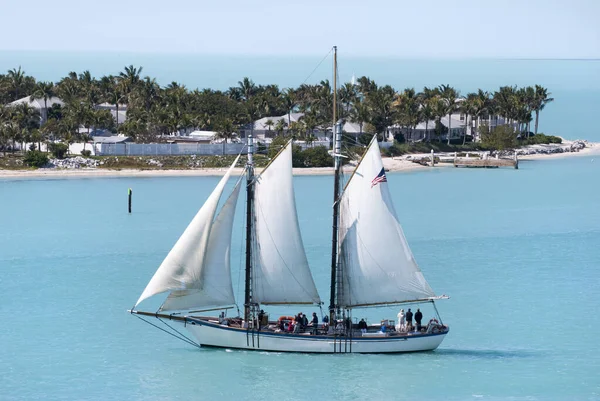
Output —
<point x="371" y="265"/>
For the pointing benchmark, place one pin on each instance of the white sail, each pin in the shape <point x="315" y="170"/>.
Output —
<point x="378" y="266"/>
<point x="215" y="287"/>
<point x="182" y="268"/>
<point x="281" y="274"/>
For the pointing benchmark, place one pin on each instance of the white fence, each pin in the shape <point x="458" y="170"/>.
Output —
<point x="166" y="149"/>
<point x="178" y="149"/>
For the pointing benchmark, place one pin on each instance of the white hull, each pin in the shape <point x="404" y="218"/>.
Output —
<point x="215" y="335"/>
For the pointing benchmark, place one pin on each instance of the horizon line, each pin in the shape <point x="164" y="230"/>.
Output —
<point x="261" y="55"/>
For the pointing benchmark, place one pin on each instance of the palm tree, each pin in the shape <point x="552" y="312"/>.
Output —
<point x="439" y="108"/>
<point x="225" y="129"/>
<point x="280" y="126"/>
<point x="16" y="79"/>
<point x="427" y="114"/>
<point x="43" y="90"/>
<point x="130" y="78"/>
<point x="348" y="96"/>
<point x="247" y="88"/>
<point x="542" y="98"/>
<point x="269" y="123"/>
<point x="467" y="107"/>
<point x="382" y="111"/>
<point x="360" y="115"/>
<point x="27" y="118"/>
<point x="449" y="95"/>
<point x="289" y="98"/>
<point x="505" y="101"/>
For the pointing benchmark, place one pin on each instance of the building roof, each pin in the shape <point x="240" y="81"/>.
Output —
<point x="38" y="103"/>
<point x="122" y="115"/>
<point x="353" y="128"/>
<point x="260" y="124"/>
<point x="202" y="135"/>
<point x="111" y="139"/>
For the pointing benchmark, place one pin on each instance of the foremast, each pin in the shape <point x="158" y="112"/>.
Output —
<point x="249" y="221"/>
<point x="337" y="144"/>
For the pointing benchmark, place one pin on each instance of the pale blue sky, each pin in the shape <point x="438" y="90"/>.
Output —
<point x="393" y="28"/>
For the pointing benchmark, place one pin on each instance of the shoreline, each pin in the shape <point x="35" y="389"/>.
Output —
<point x="397" y="164"/>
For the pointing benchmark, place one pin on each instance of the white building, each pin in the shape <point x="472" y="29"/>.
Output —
<point x="39" y="104"/>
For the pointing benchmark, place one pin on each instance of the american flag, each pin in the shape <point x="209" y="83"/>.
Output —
<point x="380" y="178"/>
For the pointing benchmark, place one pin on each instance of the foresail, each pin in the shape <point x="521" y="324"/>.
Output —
<point x="215" y="287"/>
<point x="378" y="266"/>
<point x="183" y="266"/>
<point x="281" y="274"/>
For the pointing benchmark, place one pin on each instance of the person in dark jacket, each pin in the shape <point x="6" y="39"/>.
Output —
<point x="315" y="323"/>
<point x="362" y="325"/>
<point x="418" y="319"/>
<point x="409" y="316"/>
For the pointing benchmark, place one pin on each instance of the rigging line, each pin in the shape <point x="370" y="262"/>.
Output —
<point x="166" y="331"/>
<point x="279" y="253"/>
<point x="177" y="331"/>
<point x="318" y="65"/>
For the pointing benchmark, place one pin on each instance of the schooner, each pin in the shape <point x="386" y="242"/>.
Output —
<point x="371" y="265"/>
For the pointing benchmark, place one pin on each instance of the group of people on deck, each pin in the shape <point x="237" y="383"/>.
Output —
<point x="300" y="324"/>
<point x="405" y="320"/>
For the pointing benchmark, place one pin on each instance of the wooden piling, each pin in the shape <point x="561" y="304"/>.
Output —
<point x="130" y="192"/>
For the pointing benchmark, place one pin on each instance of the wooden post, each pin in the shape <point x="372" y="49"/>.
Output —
<point x="130" y="192"/>
<point x="432" y="158"/>
<point x="516" y="161"/>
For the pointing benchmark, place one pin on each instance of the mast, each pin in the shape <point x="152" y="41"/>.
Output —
<point x="337" y="137"/>
<point x="249" y="207"/>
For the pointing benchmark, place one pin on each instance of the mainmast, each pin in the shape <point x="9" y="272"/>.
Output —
<point x="337" y="144"/>
<point x="249" y="207"/>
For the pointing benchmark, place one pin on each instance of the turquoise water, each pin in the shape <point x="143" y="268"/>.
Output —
<point x="517" y="251"/>
<point x="575" y="84"/>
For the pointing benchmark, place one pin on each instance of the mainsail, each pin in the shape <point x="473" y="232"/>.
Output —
<point x="281" y="274"/>
<point x="201" y="253"/>
<point x="378" y="266"/>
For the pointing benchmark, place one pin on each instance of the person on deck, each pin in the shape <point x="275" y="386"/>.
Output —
<point x="298" y="323"/>
<point x="290" y="327"/>
<point x="325" y="323"/>
<point x="362" y="325"/>
<point x="409" y="319"/>
<point x="401" y="325"/>
<point x="315" y="323"/>
<point x="261" y="316"/>
<point x="304" y="321"/>
<point x="418" y="319"/>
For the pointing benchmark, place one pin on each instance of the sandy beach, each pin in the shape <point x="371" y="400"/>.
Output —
<point x="397" y="164"/>
<point x="389" y="163"/>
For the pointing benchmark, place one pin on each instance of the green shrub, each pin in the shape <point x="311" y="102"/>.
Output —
<point x="541" y="139"/>
<point x="86" y="153"/>
<point x="399" y="138"/>
<point x="317" y="157"/>
<point x="35" y="158"/>
<point x="500" y="138"/>
<point x="58" y="150"/>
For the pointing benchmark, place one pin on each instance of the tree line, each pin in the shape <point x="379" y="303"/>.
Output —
<point x="154" y="111"/>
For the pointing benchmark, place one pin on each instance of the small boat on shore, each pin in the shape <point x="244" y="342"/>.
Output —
<point x="371" y="266"/>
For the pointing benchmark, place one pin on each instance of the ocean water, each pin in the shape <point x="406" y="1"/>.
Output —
<point x="575" y="84"/>
<point x="516" y="250"/>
